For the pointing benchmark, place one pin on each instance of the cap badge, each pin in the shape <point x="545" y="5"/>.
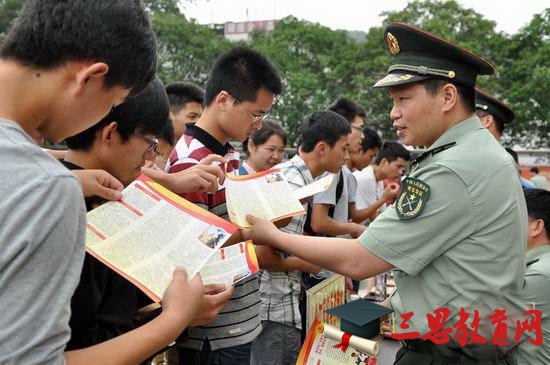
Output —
<point x="393" y="44"/>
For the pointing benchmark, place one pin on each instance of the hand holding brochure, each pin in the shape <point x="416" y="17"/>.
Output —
<point x="150" y="231"/>
<point x="266" y="195"/>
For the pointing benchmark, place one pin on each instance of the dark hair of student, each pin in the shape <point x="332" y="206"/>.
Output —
<point x="145" y="113"/>
<point x="181" y="93"/>
<point x="391" y="151"/>
<point x="371" y="139"/>
<point x="50" y="33"/>
<point x="467" y="93"/>
<point x="534" y="170"/>
<point x="242" y="72"/>
<point x="260" y="136"/>
<point x="167" y="133"/>
<point x="348" y="109"/>
<point x="323" y="126"/>
<point x="538" y="206"/>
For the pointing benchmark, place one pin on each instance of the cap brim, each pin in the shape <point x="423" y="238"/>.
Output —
<point x="399" y="78"/>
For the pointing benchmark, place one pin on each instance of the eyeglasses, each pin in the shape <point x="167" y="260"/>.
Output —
<point x="360" y="129"/>
<point x="255" y="118"/>
<point x="153" y="143"/>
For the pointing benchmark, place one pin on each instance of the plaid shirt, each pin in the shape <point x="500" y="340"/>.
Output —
<point x="280" y="291"/>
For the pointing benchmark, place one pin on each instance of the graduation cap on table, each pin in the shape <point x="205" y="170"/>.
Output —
<point x="360" y="317"/>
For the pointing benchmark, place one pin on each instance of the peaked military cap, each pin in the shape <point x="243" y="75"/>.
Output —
<point x="418" y="55"/>
<point x="494" y="106"/>
<point x="360" y="317"/>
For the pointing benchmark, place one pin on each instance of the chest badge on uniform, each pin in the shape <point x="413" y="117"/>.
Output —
<point x="412" y="198"/>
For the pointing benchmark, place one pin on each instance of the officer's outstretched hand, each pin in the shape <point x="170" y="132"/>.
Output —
<point x="262" y="232"/>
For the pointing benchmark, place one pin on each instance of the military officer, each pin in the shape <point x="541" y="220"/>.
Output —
<point x="456" y="234"/>
<point x="493" y="113"/>
<point x="537" y="277"/>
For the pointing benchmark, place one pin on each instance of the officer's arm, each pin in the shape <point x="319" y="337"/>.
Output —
<point x="344" y="256"/>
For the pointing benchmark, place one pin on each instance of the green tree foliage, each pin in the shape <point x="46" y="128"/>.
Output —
<point x="162" y="6"/>
<point x="186" y="50"/>
<point x="526" y="82"/>
<point x="8" y="12"/>
<point x="311" y="59"/>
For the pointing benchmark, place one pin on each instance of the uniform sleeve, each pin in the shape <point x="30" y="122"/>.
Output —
<point x="535" y="290"/>
<point x="447" y="218"/>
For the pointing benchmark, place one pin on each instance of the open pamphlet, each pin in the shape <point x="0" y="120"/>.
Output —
<point x="230" y="264"/>
<point x="150" y="231"/>
<point x="319" y="348"/>
<point x="266" y="195"/>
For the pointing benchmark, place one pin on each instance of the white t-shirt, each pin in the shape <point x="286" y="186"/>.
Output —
<point x="369" y="191"/>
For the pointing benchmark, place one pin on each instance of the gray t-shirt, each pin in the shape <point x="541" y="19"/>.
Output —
<point x="41" y="250"/>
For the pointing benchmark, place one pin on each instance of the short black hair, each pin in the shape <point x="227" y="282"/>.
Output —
<point x="391" y="151"/>
<point x="181" y="93"/>
<point x="146" y="113"/>
<point x="168" y="133"/>
<point x="49" y="33"/>
<point x="323" y="126"/>
<point x="371" y="139"/>
<point x="242" y="72"/>
<point x="467" y="93"/>
<point x="348" y="109"/>
<point x="260" y="136"/>
<point x="538" y="206"/>
<point x="534" y="170"/>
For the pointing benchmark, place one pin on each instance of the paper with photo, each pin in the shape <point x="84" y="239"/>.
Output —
<point x="150" y="231"/>
<point x="265" y="194"/>
<point x="230" y="264"/>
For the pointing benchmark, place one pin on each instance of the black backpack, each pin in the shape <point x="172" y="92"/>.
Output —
<point x="339" y="188"/>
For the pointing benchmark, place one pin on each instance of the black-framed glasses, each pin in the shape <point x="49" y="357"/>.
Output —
<point x="255" y="118"/>
<point x="360" y="129"/>
<point x="153" y="143"/>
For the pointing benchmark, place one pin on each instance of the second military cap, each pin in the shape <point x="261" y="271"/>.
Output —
<point x="494" y="106"/>
<point x="418" y="55"/>
<point x="360" y="317"/>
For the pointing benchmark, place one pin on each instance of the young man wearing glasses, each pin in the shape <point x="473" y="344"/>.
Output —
<point x="239" y="93"/>
<point x="105" y="303"/>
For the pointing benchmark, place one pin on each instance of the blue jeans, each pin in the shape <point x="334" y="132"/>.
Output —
<point x="236" y="355"/>
<point x="277" y="344"/>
